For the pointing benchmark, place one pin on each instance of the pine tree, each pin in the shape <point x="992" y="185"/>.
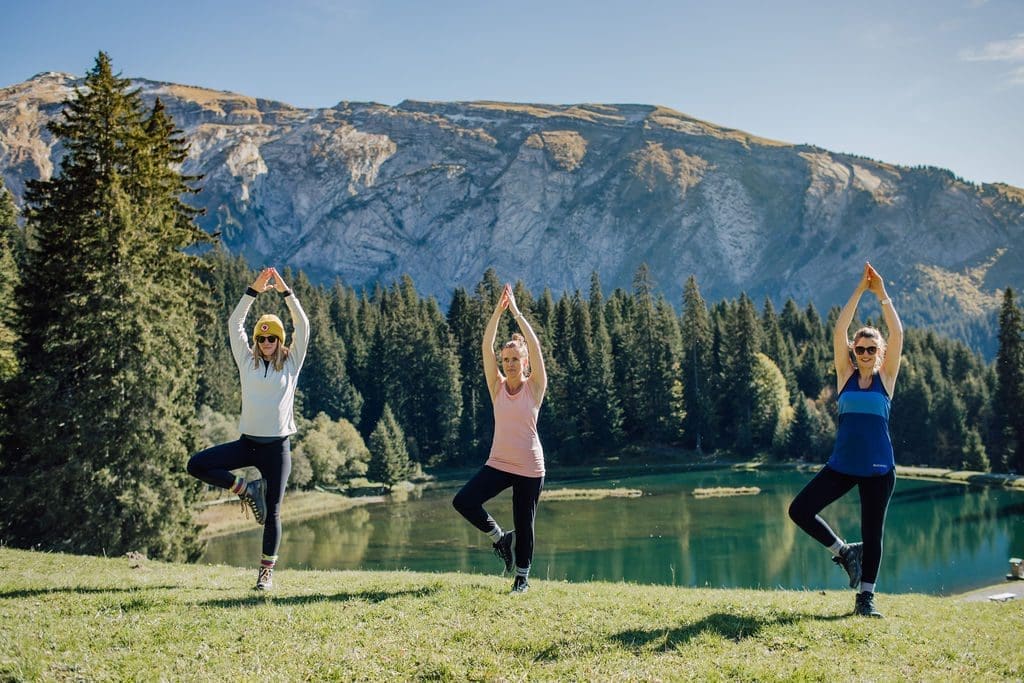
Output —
<point x="465" y="321"/>
<point x="326" y="386"/>
<point x="602" y="400"/>
<point x="799" y="436"/>
<point x="9" y="279"/>
<point x="389" y="459"/>
<point x="226" y="278"/>
<point x="974" y="456"/>
<point x="696" y="367"/>
<point x="108" y="319"/>
<point x="1009" y="396"/>
<point x="740" y="346"/>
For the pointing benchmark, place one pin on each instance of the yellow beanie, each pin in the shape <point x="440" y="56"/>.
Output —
<point x="267" y="325"/>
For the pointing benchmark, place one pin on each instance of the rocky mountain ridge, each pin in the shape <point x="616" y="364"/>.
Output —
<point x="441" y="191"/>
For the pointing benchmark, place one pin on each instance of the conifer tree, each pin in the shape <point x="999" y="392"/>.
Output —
<point x="1009" y="396"/>
<point x="9" y="279"/>
<point x="466" y="324"/>
<point x="799" y="436"/>
<point x="602" y="399"/>
<point x="389" y="459"/>
<point x="326" y="386"/>
<point x="108" y="318"/>
<point x="696" y="367"/>
<point x="741" y="343"/>
<point x="226" y="278"/>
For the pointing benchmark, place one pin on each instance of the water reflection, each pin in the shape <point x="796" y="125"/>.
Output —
<point x="940" y="538"/>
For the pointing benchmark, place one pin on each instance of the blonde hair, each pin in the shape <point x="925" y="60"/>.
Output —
<point x="518" y="344"/>
<point x="874" y="335"/>
<point x="277" y="360"/>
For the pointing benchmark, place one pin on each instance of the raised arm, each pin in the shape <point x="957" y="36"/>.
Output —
<point x="840" y="335"/>
<point x="300" y="341"/>
<point x="894" y="343"/>
<point x="491" y="372"/>
<point x="538" y="375"/>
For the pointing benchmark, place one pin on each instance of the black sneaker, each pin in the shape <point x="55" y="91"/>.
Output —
<point x="255" y="497"/>
<point x="850" y="559"/>
<point x="865" y="605"/>
<point x="503" y="549"/>
<point x="520" y="585"/>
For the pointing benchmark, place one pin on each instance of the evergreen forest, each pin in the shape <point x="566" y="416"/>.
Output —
<point x="115" y="364"/>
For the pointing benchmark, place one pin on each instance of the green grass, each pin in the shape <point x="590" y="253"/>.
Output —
<point x="86" y="618"/>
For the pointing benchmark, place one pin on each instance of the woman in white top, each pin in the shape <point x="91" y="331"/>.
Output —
<point x="517" y="458"/>
<point x="269" y="373"/>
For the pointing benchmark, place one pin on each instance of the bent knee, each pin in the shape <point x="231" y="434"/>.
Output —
<point x="797" y="512"/>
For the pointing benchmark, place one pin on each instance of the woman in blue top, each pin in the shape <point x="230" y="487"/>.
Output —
<point x="866" y="372"/>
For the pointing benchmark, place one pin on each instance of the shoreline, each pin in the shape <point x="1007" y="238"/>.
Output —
<point x="222" y="518"/>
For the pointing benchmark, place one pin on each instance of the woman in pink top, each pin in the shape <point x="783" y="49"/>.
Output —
<point x="517" y="458"/>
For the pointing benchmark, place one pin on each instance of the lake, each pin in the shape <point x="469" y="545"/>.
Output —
<point x="940" y="538"/>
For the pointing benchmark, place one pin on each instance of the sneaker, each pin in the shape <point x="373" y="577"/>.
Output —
<point x="520" y="585"/>
<point x="265" y="579"/>
<point x="850" y="560"/>
<point x="254" y="498"/>
<point x="503" y="548"/>
<point x="865" y="605"/>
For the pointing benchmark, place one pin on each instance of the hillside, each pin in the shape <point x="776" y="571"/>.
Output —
<point x="87" y="618"/>
<point x="441" y="191"/>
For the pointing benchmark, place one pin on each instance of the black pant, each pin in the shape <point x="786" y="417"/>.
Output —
<point x="486" y="484"/>
<point x="273" y="460"/>
<point x="827" y="487"/>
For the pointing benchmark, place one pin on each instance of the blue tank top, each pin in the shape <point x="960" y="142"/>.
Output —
<point x="863" y="447"/>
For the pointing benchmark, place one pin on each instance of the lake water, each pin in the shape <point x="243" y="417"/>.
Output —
<point x="940" y="538"/>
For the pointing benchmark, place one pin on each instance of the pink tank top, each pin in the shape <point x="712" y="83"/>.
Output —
<point x="516" y="448"/>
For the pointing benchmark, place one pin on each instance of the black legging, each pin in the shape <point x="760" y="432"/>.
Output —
<point x="827" y="487"/>
<point x="273" y="460"/>
<point x="486" y="484"/>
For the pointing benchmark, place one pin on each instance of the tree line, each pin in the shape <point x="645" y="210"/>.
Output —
<point x="115" y="365"/>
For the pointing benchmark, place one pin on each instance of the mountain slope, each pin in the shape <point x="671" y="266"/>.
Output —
<point x="442" y="191"/>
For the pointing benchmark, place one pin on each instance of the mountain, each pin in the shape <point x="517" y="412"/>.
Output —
<point x="366" y="192"/>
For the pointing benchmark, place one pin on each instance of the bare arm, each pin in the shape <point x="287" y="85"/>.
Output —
<point x="894" y="344"/>
<point x="491" y="372"/>
<point x="840" y="338"/>
<point x="538" y="375"/>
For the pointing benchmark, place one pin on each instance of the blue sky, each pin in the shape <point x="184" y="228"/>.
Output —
<point x="937" y="82"/>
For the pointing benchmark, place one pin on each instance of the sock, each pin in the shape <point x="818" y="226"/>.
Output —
<point x="867" y="587"/>
<point x="523" y="572"/>
<point x="837" y="548"/>
<point x="239" y="486"/>
<point x="268" y="561"/>
<point x="495" y="533"/>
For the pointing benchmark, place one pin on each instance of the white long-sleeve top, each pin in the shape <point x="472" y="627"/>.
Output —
<point x="268" y="396"/>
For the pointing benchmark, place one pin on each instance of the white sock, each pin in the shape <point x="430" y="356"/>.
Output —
<point x="867" y="587"/>
<point x="495" y="533"/>
<point x="837" y="547"/>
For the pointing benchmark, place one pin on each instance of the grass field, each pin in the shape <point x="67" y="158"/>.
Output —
<point x="66" y="617"/>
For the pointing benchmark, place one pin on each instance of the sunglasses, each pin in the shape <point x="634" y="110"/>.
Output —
<point x="269" y="339"/>
<point x="861" y="350"/>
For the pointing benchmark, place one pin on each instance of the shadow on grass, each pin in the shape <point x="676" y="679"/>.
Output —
<point x="77" y="590"/>
<point x="367" y="596"/>
<point x="735" y="627"/>
<point x="732" y="626"/>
